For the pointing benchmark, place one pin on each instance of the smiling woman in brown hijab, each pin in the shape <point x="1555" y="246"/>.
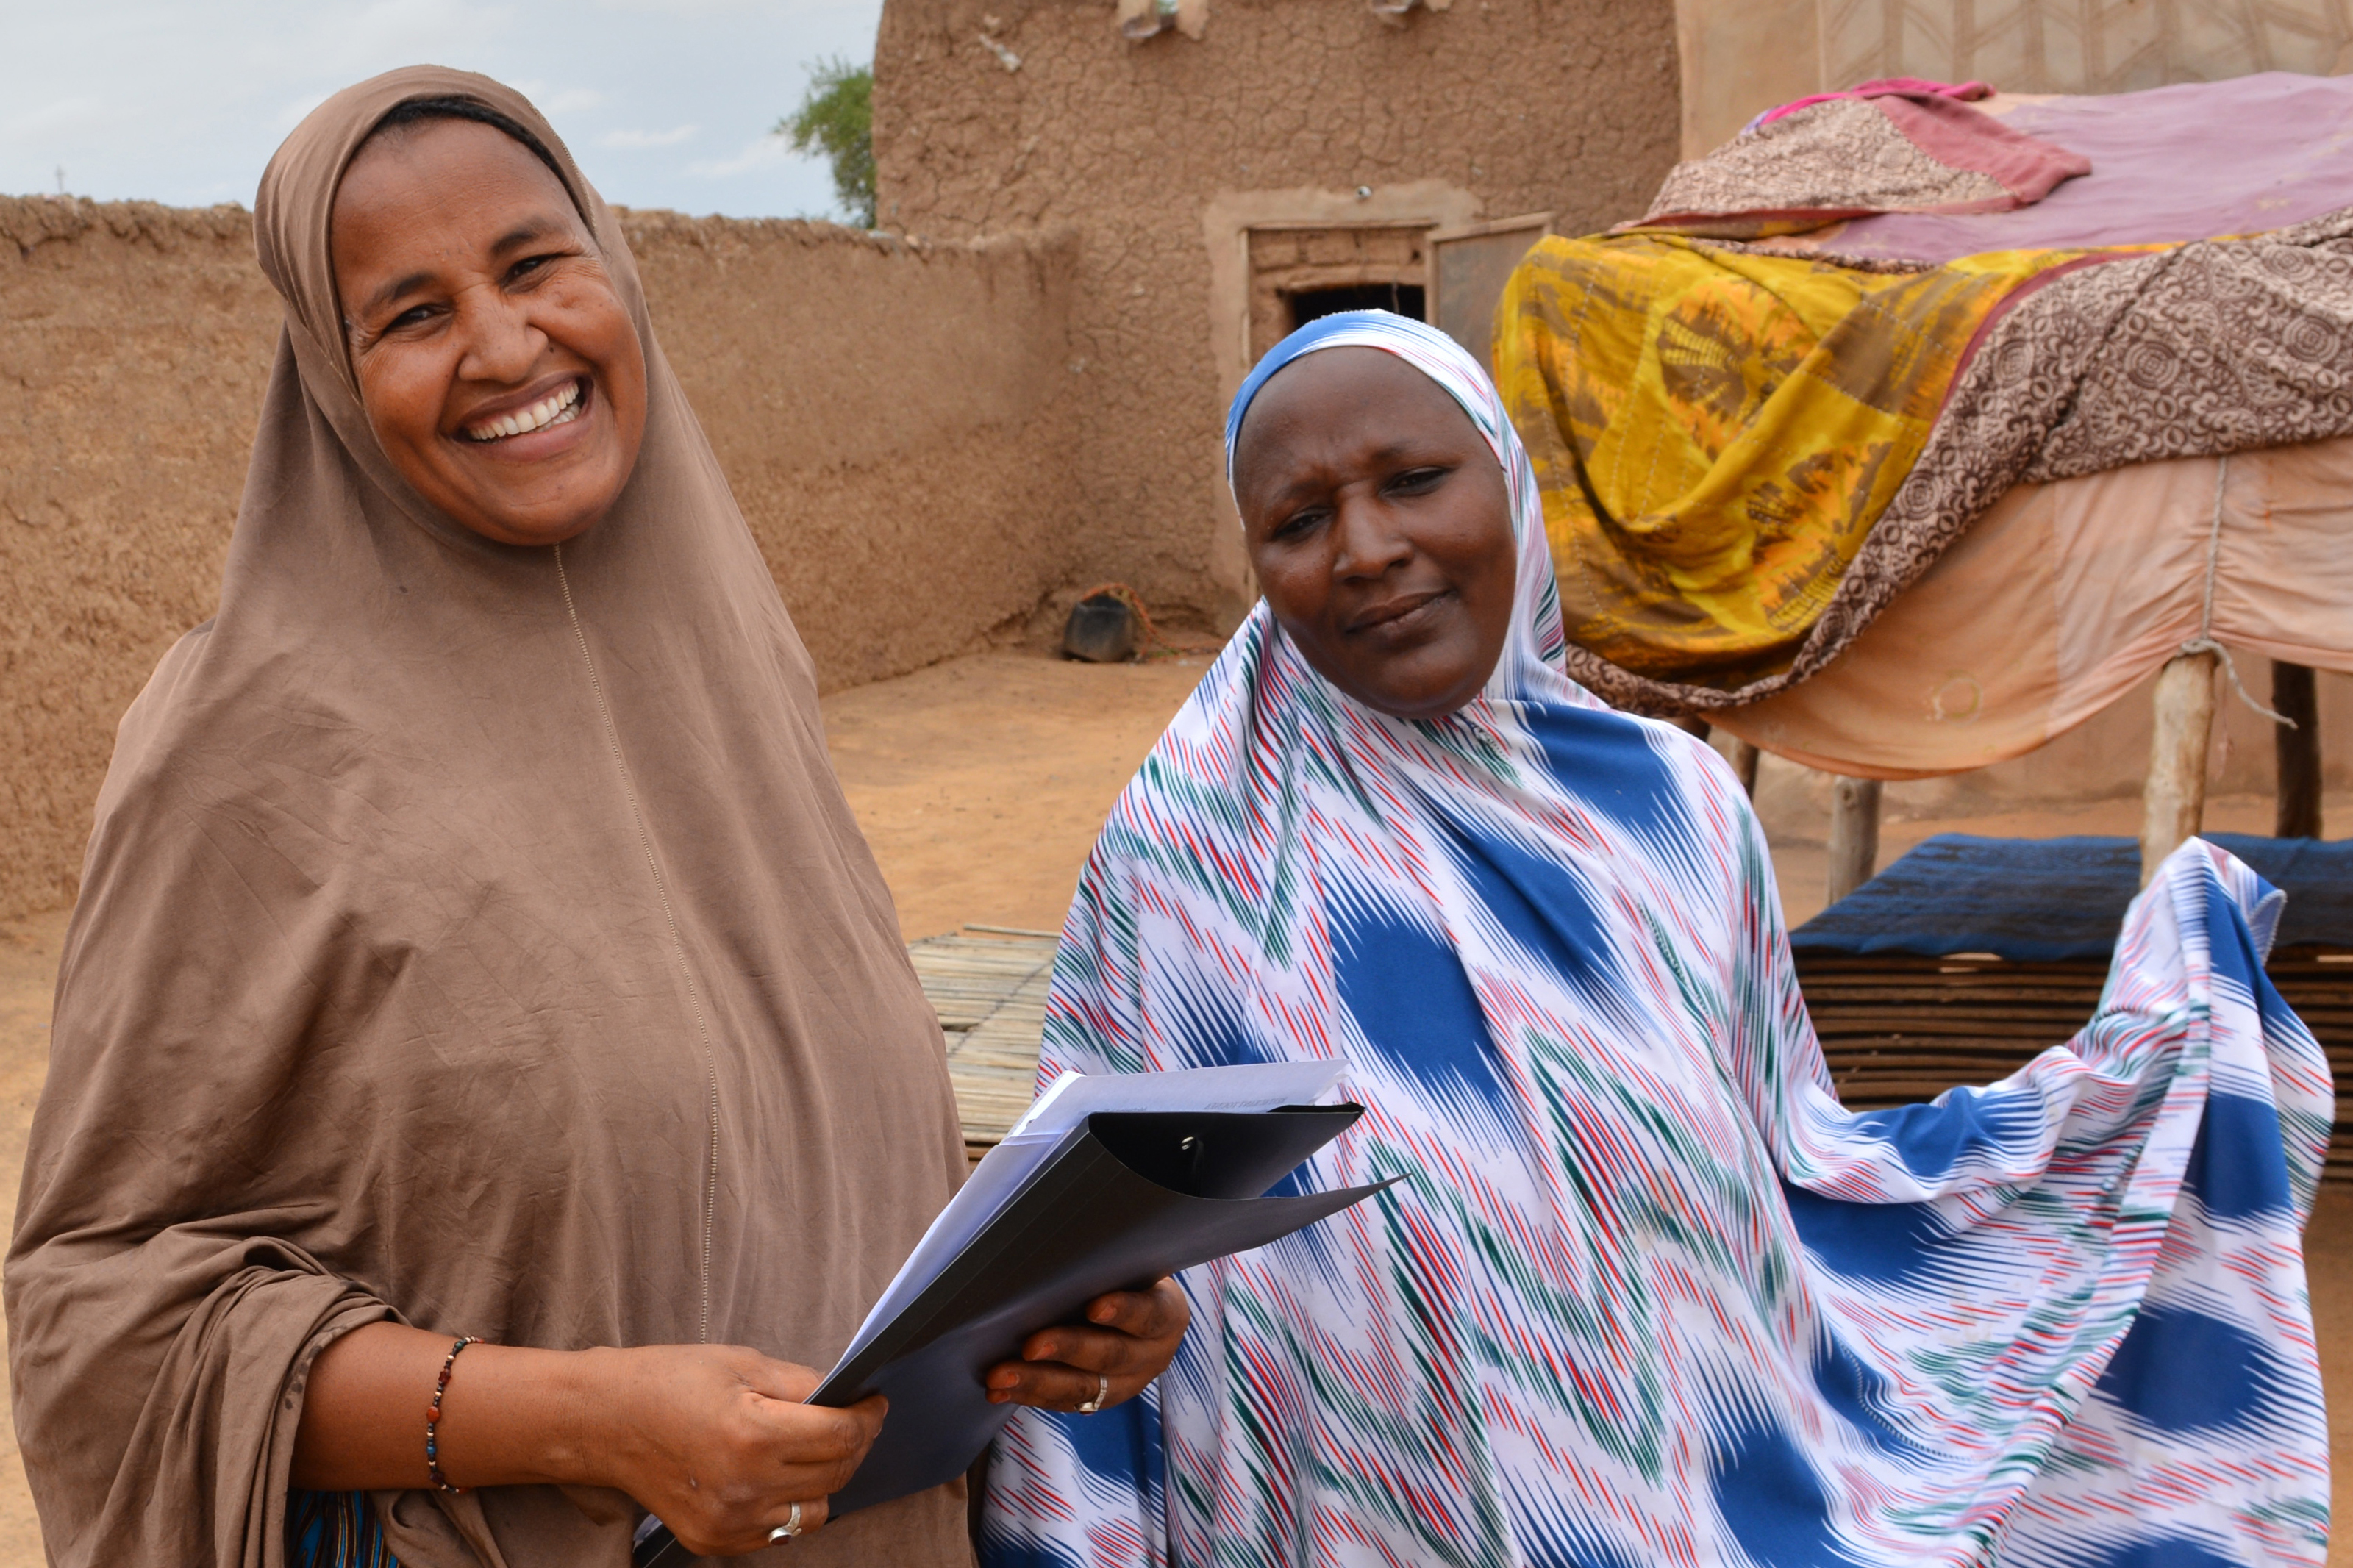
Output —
<point x="474" y="940"/>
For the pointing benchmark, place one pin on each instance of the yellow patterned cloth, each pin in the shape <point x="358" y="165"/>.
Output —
<point x="1716" y="431"/>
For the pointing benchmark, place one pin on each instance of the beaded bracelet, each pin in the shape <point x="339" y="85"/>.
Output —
<point x="433" y="1417"/>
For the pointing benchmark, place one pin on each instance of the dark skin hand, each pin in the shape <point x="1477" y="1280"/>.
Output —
<point x="474" y="299"/>
<point x="1133" y="1337"/>
<point x="1379" y="526"/>
<point x="713" y="1439"/>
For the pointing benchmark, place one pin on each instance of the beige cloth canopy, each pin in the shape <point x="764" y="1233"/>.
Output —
<point x="2069" y="593"/>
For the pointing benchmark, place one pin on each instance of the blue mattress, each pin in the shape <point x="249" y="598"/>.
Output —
<point x="2041" y="900"/>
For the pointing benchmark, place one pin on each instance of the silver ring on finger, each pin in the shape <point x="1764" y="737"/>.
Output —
<point x="790" y="1528"/>
<point x="1102" y="1392"/>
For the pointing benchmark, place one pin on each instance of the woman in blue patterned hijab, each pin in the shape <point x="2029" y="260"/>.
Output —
<point x="1647" y="1292"/>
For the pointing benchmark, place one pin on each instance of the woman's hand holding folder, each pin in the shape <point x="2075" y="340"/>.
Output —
<point x="716" y="1440"/>
<point x="1071" y="1366"/>
<point x="1106" y="1179"/>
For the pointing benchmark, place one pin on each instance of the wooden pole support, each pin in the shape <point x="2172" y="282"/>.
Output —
<point x="2173" y="802"/>
<point x="1854" y="834"/>
<point x="2298" y="814"/>
<point x="1745" y="758"/>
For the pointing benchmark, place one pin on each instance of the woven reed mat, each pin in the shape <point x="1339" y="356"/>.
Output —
<point x="1899" y="1028"/>
<point x="1968" y="956"/>
<point x="988" y="984"/>
<point x="1895" y="1027"/>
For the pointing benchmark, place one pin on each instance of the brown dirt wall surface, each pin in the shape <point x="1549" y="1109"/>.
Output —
<point x="981" y="784"/>
<point x="891" y="416"/>
<point x="1522" y="105"/>
<point x="135" y="345"/>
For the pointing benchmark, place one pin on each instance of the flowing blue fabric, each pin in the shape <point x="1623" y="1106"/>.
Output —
<point x="1647" y="1292"/>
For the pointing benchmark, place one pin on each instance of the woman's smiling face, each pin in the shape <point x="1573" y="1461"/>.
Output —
<point x="1380" y="528"/>
<point x="499" y="368"/>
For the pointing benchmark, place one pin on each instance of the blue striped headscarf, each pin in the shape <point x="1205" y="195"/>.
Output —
<point x="1537" y="638"/>
<point x="1648" y="1293"/>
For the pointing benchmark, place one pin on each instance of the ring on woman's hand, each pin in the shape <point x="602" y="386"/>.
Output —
<point x="790" y="1528"/>
<point x="1102" y="1392"/>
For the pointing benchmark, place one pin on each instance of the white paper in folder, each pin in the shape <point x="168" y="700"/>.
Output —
<point x="1058" y="1115"/>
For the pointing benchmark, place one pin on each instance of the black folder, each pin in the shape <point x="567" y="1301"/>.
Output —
<point x="1128" y="1197"/>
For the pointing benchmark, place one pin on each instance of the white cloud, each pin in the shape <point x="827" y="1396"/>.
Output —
<point x="633" y="139"/>
<point x="553" y="101"/>
<point x="294" y="114"/>
<point x="761" y="153"/>
<point x="621" y="78"/>
<point x="684" y="9"/>
<point x="80" y="111"/>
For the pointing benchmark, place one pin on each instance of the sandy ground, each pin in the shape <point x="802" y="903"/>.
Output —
<point x="981" y="783"/>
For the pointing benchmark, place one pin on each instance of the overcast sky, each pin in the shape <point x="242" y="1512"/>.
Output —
<point x="665" y="103"/>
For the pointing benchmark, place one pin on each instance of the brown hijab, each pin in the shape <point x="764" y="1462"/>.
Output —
<point x="470" y="935"/>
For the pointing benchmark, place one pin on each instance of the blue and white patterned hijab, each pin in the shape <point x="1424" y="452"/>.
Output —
<point x="1648" y="1294"/>
<point x="1531" y="661"/>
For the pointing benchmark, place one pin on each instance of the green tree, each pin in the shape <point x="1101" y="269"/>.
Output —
<point x="837" y="118"/>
